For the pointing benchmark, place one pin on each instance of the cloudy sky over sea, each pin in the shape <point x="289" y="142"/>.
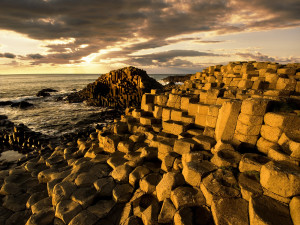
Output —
<point x="160" y="36"/>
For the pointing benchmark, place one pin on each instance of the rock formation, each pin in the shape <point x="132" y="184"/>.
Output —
<point x="118" y="88"/>
<point x="224" y="148"/>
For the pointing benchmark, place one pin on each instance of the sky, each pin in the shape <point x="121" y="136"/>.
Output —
<point x="159" y="36"/>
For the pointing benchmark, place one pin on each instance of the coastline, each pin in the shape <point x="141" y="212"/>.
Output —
<point x="211" y="150"/>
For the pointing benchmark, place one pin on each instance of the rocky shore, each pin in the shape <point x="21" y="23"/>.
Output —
<point x="119" y="88"/>
<point x="223" y="148"/>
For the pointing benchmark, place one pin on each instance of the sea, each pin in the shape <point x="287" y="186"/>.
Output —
<point x="49" y="116"/>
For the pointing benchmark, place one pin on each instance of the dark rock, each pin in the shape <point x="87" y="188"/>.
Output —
<point x="3" y="117"/>
<point x="4" y="103"/>
<point x="22" y="105"/>
<point x="120" y="88"/>
<point x="45" y="92"/>
<point x="177" y="78"/>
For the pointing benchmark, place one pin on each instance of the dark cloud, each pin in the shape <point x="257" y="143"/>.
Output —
<point x="257" y="57"/>
<point x="35" y="56"/>
<point x="172" y="58"/>
<point x="7" y="55"/>
<point x="102" y="24"/>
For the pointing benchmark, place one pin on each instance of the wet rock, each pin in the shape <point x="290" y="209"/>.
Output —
<point x="45" y="92"/>
<point x="21" y="105"/>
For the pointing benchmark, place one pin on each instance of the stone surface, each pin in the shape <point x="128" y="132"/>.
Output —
<point x="66" y="210"/>
<point x="227" y="119"/>
<point x="85" y="217"/>
<point x="121" y="173"/>
<point x="148" y="183"/>
<point x="43" y="217"/>
<point x="295" y="209"/>
<point x="230" y="211"/>
<point x="265" y="210"/>
<point x="194" y="171"/>
<point x="282" y="179"/>
<point x="249" y="184"/>
<point x="122" y="193"/>
<point x="104" y="186"/>
<point x="187" y="197"/>
<point x="167" y="212"/>
<point x="101" y="208"/>
<point x="219" y="184"/>
<point x="169" y="181"/>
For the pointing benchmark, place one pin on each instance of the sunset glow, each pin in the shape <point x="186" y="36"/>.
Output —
<point x="158" y="36"/>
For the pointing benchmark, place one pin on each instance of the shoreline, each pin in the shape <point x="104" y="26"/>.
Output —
<point x="221" y="148"/>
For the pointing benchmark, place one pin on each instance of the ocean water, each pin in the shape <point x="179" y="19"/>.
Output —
<point x="48" y="115"/>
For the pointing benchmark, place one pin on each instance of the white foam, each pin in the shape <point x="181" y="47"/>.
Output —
<point x="10" y="156"/>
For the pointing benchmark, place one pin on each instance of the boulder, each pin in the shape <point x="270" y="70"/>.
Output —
<point x="230" y="211"/>
<point x="252" y="162"/>
<point x="226" y="122"/>
<point x="121" y="173"/>
<point x="281" y="178"/>
<point x="22" y="105"/>
<point x="149" y="182"/>
<point x="85" y="217"/>
<point x="187" y="197"/>
<point x="265" y="210"/>
<point x="85" y="196"/>
<point x="249" y="184"/>
<point x="194" y="171"/>
<point x="122" y="193"/>
<point x="66" y="210"/>
<point x="226" y="157"/>
<point x="295" y="209"/>
<point x="167" y="212"/>
<point x="219" y="184"/>
<point x="101" y="208"/>
<point x="254" y="106"/>
<point x="43" y="217"/>
<point x="169" y="181"/>
<point x="104" y="186"/>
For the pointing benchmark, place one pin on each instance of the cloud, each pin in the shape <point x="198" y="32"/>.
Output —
<point x="257" y="57"/>
<point x="172" y="58"/>
<point x="147" y="24"/>
<point x="35" y="56"/>
<point x="7" y="55"/>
